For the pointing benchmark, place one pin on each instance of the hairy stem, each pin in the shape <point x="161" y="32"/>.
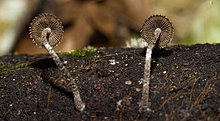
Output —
<point x="157" y="33"/>
<point x="144" y="103"/>
<point x="69" y="81"/>
<point x="44" y="36"/>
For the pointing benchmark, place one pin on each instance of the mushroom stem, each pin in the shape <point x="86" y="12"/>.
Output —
<point x="145" y="104"/>
<point x="44" y="36"/>
<point x="157" y="33"/>
<point x="70" y="82"/>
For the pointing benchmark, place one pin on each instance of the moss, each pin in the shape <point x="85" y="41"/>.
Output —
<point x="83" y="53"/>
<point x="185" y="64"/>
<point x="6" y="69"/>
<point x="87" y="52"/>
<point x="175" y="67"/>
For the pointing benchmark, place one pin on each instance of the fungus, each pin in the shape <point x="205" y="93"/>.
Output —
<point x="47" y="31"/>
<point x="157" y="31"/>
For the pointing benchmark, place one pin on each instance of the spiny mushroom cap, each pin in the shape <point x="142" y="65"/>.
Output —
<point x="43" y="21"/>
<point x="154" y="22"/>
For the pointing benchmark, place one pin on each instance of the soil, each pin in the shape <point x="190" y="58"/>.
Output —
<point x="185" y="85"/>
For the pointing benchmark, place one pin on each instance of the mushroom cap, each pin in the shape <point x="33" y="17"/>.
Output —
<point x="154" y="22"/>
<point x="42" y="21"/>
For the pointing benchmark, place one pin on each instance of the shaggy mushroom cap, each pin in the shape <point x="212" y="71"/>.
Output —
<point x="42" y="22"/>
<point x="154" y="23"/>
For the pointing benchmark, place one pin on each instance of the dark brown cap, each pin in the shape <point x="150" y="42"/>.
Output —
<point x="43" y="21"/>
<point x="154" y="22"/>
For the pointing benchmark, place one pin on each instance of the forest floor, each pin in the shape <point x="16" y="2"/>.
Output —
<point x="185" y="85"/>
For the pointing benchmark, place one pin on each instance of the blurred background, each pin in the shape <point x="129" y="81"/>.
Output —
<point x="108" y="23"/>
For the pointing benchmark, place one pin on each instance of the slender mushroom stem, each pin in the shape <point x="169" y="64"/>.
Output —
<point x="44" y="36"/>
<point x="145" y="104"/>
<point x="80" y="105"/>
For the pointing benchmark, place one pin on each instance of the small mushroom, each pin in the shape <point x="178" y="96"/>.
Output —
<point x="157" y="31"/>
<point x="47" y="31"/>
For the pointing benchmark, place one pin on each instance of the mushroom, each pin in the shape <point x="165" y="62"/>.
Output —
<point x="47" y="31"/>
<point x="157" y="31"/>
